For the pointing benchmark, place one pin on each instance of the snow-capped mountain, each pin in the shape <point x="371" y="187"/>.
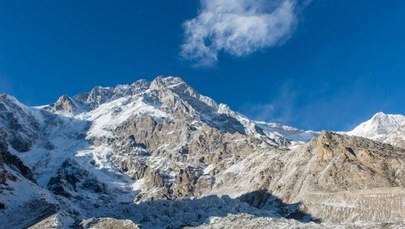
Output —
<point x="99" y="151"/>
<point x="160" y="155"/>
<point x="382" y="127"/>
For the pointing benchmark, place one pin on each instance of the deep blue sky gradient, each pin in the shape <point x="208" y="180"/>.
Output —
<point x="343" y="63"/>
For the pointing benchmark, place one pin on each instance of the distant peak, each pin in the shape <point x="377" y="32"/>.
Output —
<point x="63" y="98"/>
<point x="11" y="99"/>
<point x="140" y="82"/>
<point x="100" y="95"/>
<point x="383" y="127"/>
<point x="7" y="96"/>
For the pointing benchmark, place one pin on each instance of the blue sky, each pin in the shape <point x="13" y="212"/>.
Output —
<point x="321" y="64"/>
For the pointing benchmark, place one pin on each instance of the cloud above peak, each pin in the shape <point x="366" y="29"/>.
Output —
<point x="237" y="27"/>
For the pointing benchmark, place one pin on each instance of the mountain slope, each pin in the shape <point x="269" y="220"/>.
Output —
<point x="20" y="124"/>
<point x="336" y="178"/>
<point x="22" y="202"/>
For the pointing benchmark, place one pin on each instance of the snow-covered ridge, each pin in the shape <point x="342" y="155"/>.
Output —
<point x="388" y="128"/>
<point x="158" y="98"/>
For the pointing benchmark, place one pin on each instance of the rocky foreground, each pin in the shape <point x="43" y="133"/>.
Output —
<point x="160" y="155"/>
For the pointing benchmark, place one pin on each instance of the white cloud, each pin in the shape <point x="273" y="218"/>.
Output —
<point x="238" y="27"/>
<point x="281" y="108"/>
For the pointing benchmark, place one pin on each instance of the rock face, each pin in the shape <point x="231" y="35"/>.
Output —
<point x="186" y="153"/>
<point x="71" y="179"/>
<point x="3" y="172"/>
<point x="352" y="175"/>
<point x="21" y="126"/>
<point x="22" y="202"/>
<point x="104" y="223"/>
<point x="336" y="178"/>
<point x="12" y="161"/>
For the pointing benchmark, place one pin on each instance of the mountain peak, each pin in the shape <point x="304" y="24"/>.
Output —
<point x="99" y="95"/>
<point x="383" y="127"/>
<point x="8" y="97"/>
<point x="167" y="82"/>
<point x="380" y="115"/>
<point x="140" y="83"/>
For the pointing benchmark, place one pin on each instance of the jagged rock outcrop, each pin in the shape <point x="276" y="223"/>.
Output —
<point x="3" y="172"/>
<point x="22" y="128"/>
<point x="71" y="180"/>
<point x="185" y="183"/>
<point x="64" y="103"/>
<point x="12" y="161"/>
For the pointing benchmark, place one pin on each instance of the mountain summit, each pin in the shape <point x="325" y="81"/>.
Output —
<point x="382" y="127"/>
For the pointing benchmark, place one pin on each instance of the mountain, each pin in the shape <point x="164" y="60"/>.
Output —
<point x="161" y="155"/>
<point x="97" y="152"/>
<point x="168" y="96"/>
<point x="383" y="127"/>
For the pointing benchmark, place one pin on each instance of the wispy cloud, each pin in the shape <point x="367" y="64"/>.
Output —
<point x="279" y="109"/>
<point x="238" y="27"/>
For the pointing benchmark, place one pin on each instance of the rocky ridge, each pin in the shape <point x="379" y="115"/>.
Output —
<point x="336" y="178"/>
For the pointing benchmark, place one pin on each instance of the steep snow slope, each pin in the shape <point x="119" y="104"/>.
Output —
<point x="382" y="127"/>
